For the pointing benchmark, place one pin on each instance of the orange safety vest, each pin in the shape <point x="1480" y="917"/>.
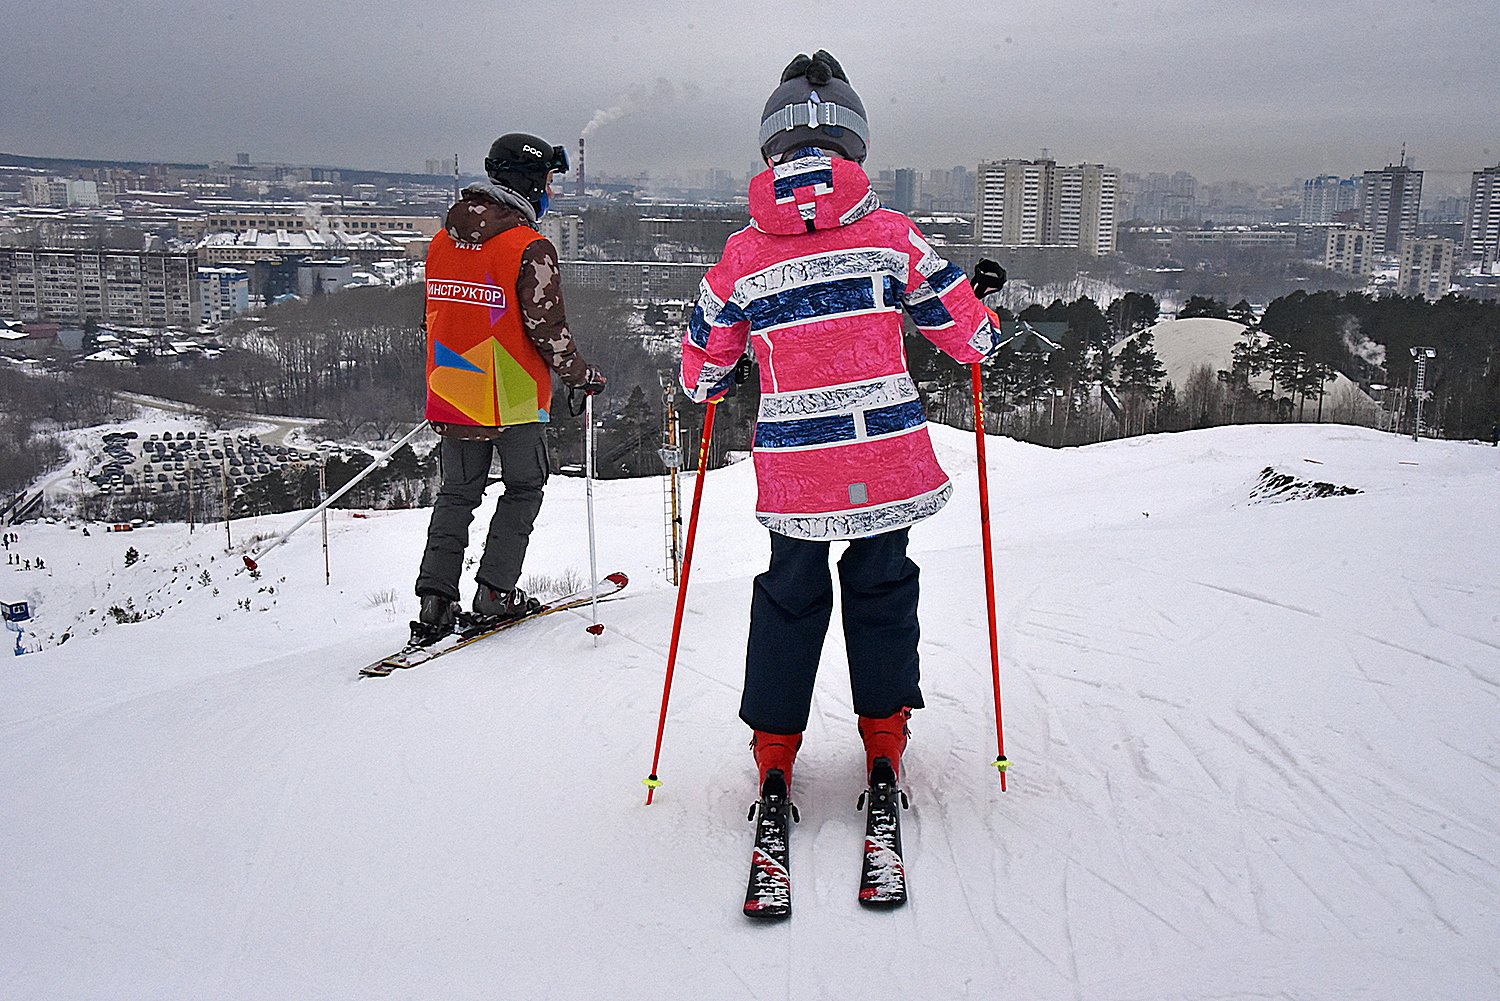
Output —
<point x="482" y="369"/>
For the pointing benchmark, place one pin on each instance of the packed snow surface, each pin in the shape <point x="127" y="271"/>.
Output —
<point x="1256" y="752"/>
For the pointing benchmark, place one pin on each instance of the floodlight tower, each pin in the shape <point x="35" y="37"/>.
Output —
<point x="1421" y="354"/>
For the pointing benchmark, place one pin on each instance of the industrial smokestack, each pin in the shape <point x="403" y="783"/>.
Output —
<point x="580" y="167"/>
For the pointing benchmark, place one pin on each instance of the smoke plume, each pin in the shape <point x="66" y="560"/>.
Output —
<point x="1361" y="346"/>
<point x="639" y="98"/>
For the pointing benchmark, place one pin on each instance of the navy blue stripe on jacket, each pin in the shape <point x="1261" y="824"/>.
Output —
<point x="834" y="428"/>
<point x="819" y="301"/>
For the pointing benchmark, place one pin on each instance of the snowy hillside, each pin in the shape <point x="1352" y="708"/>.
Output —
<point x="1255" y="740"/>
<point x="1184" y="345"/>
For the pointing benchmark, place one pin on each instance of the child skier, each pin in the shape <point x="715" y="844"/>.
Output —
<point x="817" y="284"/>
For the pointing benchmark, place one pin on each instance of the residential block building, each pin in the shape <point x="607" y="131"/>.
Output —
<point x="59" y="192"/>
<point x="1325" y="198"/>
<point x="130" y="287"/>
<point x="1036" y="203"/>
<point x="1350" y="252"/>
<point x="1426" y="267"/>
<point x="1389" y="203"/>
<point x="223" y="294"/>
<point x="1482" y="227"/>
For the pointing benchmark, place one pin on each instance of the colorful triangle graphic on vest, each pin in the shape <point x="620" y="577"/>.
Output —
<point x="463" y="383"/>
<point x="516" y="389"/>
<point x="445" y="357"/>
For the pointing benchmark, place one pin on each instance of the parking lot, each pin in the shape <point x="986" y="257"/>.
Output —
<point x="167" y="462"/>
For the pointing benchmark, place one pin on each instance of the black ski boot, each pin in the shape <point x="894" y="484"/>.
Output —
<point x="437" y="618"/>
<point x="491" y="604"/>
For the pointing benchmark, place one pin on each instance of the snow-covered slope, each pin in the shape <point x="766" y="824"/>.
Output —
<point x="1256" y="753"/>
<point x="1184" y="345"/>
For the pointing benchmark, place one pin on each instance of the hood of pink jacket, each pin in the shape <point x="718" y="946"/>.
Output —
<point x="809" y="193"/>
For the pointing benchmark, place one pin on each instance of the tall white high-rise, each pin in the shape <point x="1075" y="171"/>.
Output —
<point x="1323" y="198"/>
<point x="1482" y="228"/>
<point x="1389" y="203"/>
<point x="1032" y="203"/>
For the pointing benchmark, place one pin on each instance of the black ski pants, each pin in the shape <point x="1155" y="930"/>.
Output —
<point x="789" y="614"/>
<point x="465" y="472"/>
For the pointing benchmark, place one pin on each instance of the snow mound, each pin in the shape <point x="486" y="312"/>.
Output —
<point x="1273" y="487"/>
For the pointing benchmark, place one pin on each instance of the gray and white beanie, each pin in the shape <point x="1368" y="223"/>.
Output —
<point x="814" y="106"/>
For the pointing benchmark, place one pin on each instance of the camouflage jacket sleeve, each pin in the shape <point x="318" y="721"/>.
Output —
<point x="539" y="289"/>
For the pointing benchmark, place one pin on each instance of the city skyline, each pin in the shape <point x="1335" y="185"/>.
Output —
<point x="1259" y="93"/>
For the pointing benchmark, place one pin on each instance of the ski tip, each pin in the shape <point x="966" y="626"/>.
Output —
<point x="618" y="579"/>
<point x="596" y="629"/>
<point x="249" y="563"/>
<point x="881" y="899"/>
<point x="759" y="911"/>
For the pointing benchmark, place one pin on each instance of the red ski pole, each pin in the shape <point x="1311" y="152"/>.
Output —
<point x="652" y="781"/>
<point x="1001" y="762"/>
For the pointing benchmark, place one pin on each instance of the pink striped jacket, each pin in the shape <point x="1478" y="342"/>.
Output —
<point x="817" y="283"/>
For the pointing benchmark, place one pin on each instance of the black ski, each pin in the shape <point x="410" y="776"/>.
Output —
<point x="882" y="881"/>
<point x="473" y="630"/>
<point x="769" y="895"/>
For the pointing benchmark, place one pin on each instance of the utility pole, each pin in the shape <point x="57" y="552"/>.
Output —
<point x="224" y="476"/>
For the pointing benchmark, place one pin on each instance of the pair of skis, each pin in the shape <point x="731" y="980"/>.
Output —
<point x="473" y="630"/>
<point x="882" y="880"/>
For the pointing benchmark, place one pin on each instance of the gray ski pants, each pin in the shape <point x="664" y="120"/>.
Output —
<point x="466" y="467"/>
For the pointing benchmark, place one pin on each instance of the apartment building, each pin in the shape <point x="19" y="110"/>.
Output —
<point x="1426" y="267"/>
<point x="59" y="192"/>
<point x="1482" y="226"/>
<point x="1389" y="203"/>
<point x="1350" y="252"/>
<point x="130" y="287"/>
<point x="1327" y="197"/>
<point x="566" y="233"/>
<point x="223" y="294"/>
<point x="1033" y="203"/>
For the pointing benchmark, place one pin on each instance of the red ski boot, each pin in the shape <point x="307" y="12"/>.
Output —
<point x="775" y="752"/>
<point x="885" y="738"/>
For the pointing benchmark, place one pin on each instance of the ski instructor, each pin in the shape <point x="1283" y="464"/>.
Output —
<point x="496" y="331"/>
<point x="817" y="284"/>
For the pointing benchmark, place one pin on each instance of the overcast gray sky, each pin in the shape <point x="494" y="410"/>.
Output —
<point x="1261" y="89"/>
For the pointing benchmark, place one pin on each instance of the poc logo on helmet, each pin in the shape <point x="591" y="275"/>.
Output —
<point x="532" y="150"/>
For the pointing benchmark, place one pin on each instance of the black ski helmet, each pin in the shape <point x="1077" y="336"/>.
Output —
<point x="521" y="162"/>
<point x="814" y="106"/>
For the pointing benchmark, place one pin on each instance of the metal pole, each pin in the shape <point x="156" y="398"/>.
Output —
<point x="1421" y="354"/>
<point x="322" y="494"/>
<point x="375" y="464"/>
<point x="596" y="627"/>
<point x="224" y="473"/>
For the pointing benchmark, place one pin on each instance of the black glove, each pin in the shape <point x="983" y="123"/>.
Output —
<point x="989" y="278"/>
<point x="742" y="370"/>
<point x="593" y="381"/>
